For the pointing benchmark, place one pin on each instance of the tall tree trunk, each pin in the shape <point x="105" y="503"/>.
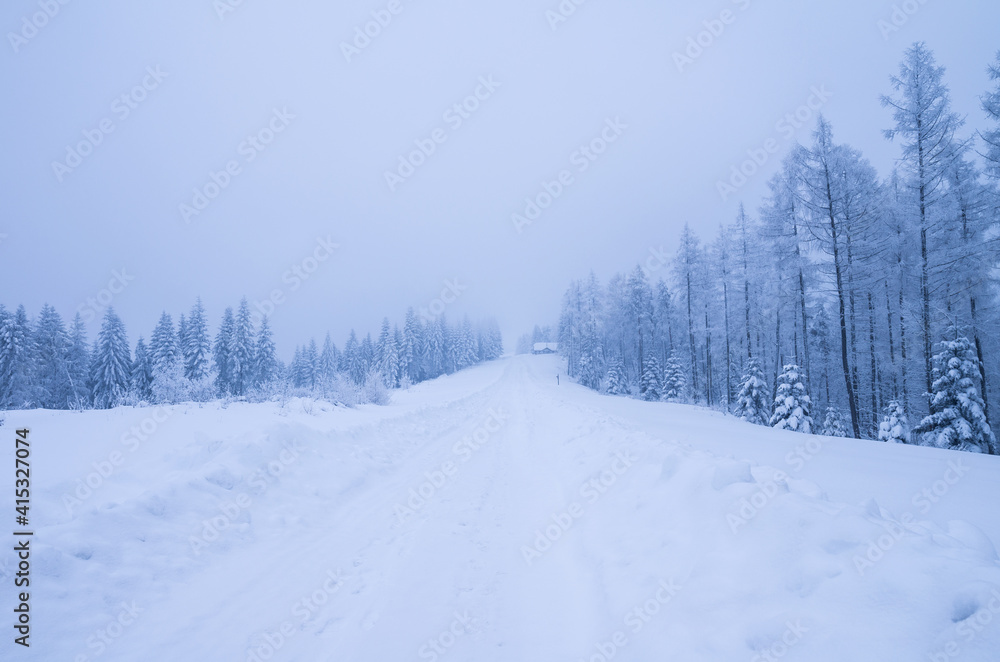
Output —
<point x="979" y="354"/>
<point x="892" y="344"/>
<point x="729" y="355"/>
<point x="694" y="353"/>
<point x="874" y="365"/>
<point x="708" y="358"/>
<point x="925" y="290"/>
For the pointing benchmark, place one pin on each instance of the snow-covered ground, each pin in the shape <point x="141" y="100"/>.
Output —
<point x="493" y="515"/>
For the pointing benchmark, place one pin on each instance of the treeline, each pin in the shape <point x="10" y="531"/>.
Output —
<point x="865" y="301"/>
<point x="44" y="364"/>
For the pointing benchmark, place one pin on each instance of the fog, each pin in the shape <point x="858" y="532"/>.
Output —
<point x="157" y="153"/>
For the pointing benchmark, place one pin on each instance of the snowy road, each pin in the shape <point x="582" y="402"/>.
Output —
<point x="494" y="515"/>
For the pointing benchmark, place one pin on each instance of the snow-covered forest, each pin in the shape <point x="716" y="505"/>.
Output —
<point x="44" y="364"/>
<point x="852" y="303"/>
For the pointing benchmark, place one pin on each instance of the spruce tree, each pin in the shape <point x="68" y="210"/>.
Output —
<point x="956" y="420"/>
<point x="222" y="354"/>
<point x="141" y="375"/>
<point x="112" y="363"/>
<point x="751" y="402"/>
<point x="674" y="381"/>
<point x="833" y="423"/>
<point x="241" y="347"/>
<point x="197" y="347"/>
<point x="651" y="385"/>
<point x="163" y="349"/>
<point x="894" y="424"/>
<point x="265" y="362"/>
<point x="16" y="388"/>
<point x="78" y="365"/>
<point x="614" y="383"/>
<point x="51" y="350"/>
<point x="792" y="404"/>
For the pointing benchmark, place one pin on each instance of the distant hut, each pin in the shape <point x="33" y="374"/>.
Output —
<point x="545" y="348"/>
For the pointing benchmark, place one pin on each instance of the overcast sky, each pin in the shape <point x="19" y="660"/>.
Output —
<point x="338" y="120"/>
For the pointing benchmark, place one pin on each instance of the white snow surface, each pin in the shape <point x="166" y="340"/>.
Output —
<point x="515" y="554"/>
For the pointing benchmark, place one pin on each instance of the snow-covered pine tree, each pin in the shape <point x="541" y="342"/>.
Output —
<point x="112" y="363"/>
<point x="15" y="359"/>
<point x="78" y="364"/>
<point x="163" y="349"/>
<point x="197" y="347"/>
<point x="615" y="382"/>
<point x="956" y="420"/>
<point x="674" y="380"/>
<point x="792" y="405"/>
<point x="893" y="426"/>
<point x="492" y="340"/>
<point x="651" y="386"/>
<point x="437" y="355"/>
<point x="751" y="401"/>
<point x="222" y="354"/>
<point x="295" y="372"/>
<point x="383" y="355"/>
<point x="353" y="364"/>
<point x="182" y="341"/>
<point x="466" y="355"/>
<point x="241" y="350"/>
<point x="166" y="358"/>
<point x="435" y="348"/>
<point x="833" y="423"/>
<point x="310" y="364"/>
<point x="265" y="361"/>
<point x="51" y="348"/>
<point x="141" y="375"/>
<point x="413" y="347"/>
<point x="328" y="361"/>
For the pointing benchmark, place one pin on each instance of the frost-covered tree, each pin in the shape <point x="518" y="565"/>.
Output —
<point x="141" y="375"/>
<point x="615" y="382"/>
<point x="353" y="361"/>
<point x="385" y="355"/>
<point x="893" y="427"/>
<point x="926" y="127"/>
<point x="674" y="380"/>
<point x="222" y="354"/>
<point x="435" y="348"/>
<point x="957" y="420"/>
<point x="833" y="423"/>
<point x="112" y="363"/>
<point x="651" y="384"/>
<point x="78" y="364"/>
<point x="329" y="358"/>
<point x="197" y="347"/>
<point x="491" y="347"/>
<point x="309" y="367"/>
<point x="792" y="405"/>
<point x="163" y="348"/>
<point x="751" y="402"/>
<point x="241" y="349"/>
<point x="411" y="352"/>
<point x="465" y="347"/>
<point x="265" y="360"/>
<point x="15" y="359"/>
<point x="51" y="348"/>
<point x="440" y="329"/>
<point x="991" y="104"/>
